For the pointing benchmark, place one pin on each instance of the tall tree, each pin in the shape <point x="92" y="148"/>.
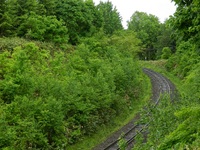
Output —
<point x="15" y="12"/>
<point x="165" y="39"/>
<point x="79" y="17"/>
<point x="112" y="20"/>
<point x="97" y="19"/>
<point x="48" y="7"/>
<point x="147" y="28"/>
<point x="44" y="28"/>
<point x="187" y="20"/>
<point x="8" y="18"/>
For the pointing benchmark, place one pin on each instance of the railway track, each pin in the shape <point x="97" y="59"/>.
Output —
<point x="160" y="85"/>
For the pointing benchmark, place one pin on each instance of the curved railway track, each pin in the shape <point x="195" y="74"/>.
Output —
<point x="160" y="86"/>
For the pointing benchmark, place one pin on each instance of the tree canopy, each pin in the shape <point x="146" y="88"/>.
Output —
<point x="112" y="20"/>
<point x="186" y="20"/>
<point x="147" y="28"/>
<point x="81" y="18"/>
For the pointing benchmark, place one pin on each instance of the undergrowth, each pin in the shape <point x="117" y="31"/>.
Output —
<point x="174" y="125"/>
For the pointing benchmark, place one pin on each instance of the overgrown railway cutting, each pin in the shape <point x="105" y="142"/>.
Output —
<point x="160" y="86"/>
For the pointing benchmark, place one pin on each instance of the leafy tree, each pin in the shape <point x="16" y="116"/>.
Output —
<point x="147" y="28"/>
<point x="2" y="9"/>
<point x="183" y="60"/>
<point x="23" y="11"/>
<point x="47" y="7"/>
<point x="97" y="19"/>
<point x="111" y="17"/>
<point x="126" y="42"/>
<point x="8" y="18"/>
<point x="37" y="124"/>
<point x="14" y="14"/>
<point x="80" y="17"/>
<point x="44" y="29"/>
<point x="186" y="20"/>
<point x="26" y="7"/>
<point x="165" y="38"/>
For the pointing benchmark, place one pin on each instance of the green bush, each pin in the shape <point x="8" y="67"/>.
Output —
<point x="166" y="53"/>
<point x="192" y="81"/>
<point x="32" y="124"/>
<point x="183" y="60"/>
<point x="50" y="100"/>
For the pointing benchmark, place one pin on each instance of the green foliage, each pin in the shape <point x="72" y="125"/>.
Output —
<point x="122" y="143"/>
<point x="50" y="20"/>
<point x="160" y="121"/>
<point x="8" y="18"/>
<point x="126" y="42"/>
<point x="178" y="127"/>
<point x="8" y="44"/>
<point x="166" y="53"/>
<point x="44" y="29"/>
<point x="182" y="131"/>
<point x="60" y="99"/>
<point x="192" y="81"/>
<point x="186" y="134"/>
<point x="81" y="18"/>
<point x="32" y="124"/>
<point x="111" y="17"/>
<point x="47" y="7"/>
<point x="165" y="38"/>
<point x="188" y="130"/>
<point x="147" y="28"/>
<point x="186" y="20"/>
<point x="172" y="127"/>
<point x="183" y="60"/>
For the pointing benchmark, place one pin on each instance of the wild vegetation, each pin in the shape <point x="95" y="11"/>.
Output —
<point x="175" y="125"/>
<point x="64" y="72"/>
<point x="68" y="67"/>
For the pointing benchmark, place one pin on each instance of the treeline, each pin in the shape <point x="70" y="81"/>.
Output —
<point x="68" y="21"/>
<point x="57" y="21"/>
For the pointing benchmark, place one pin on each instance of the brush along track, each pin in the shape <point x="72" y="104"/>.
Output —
<point x="160" y="86"/>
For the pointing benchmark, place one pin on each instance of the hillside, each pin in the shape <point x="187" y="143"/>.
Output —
<point x="70" y="75"/>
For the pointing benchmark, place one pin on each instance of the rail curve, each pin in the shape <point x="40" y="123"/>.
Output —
<point x="160" y="86"/>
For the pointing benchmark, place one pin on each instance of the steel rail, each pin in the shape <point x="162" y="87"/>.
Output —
<point x="163" y="85"/>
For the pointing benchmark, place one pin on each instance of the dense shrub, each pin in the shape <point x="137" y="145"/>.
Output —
<point x="166" y="53"/>
<point x="176" y="126"/>
<point x="50" y="100"/>
<point x="183" y="60"/>
<point x="192" y="81"/>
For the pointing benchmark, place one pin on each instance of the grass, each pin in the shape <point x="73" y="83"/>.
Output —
<point x="159" y="66"/>
<point x="105" y="131"/>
